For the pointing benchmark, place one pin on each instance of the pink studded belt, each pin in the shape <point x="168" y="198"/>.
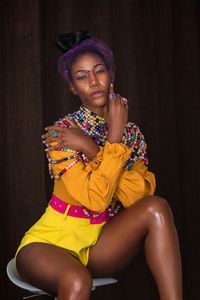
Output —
<point x="79" y="211"/>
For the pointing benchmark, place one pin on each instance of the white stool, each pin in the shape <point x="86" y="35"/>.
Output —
<point x="16" y="279"/>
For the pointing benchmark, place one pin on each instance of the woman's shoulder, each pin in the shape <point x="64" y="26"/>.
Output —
<point x="134" y="136"/>
<point x="138" y="142"/>
<point x="133" y="126"/>
<point x="63" y="121"/>
<point x="134" y="129"/>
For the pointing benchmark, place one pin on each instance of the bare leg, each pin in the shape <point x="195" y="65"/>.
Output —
<point x="148" y="222"/>
<point x="55" y="271"/>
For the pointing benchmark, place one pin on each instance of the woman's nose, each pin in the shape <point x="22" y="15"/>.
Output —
<point x="93" y="79"/>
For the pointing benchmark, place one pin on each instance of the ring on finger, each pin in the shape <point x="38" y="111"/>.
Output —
<point x="54" y="133"/>
<point x="112" y="96"/>
<point x="121" y="98"/>
<point x="125" y="100"/>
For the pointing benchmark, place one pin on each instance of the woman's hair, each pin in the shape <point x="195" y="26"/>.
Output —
<point x="77" y="43"/>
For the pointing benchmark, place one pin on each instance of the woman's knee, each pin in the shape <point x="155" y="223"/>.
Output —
<point x="158" y="209"/>
<point x="54" y="269"/>
<point x="75" y="282"/>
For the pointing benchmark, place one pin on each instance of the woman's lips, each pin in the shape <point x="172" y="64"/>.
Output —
<point x="97" y="94"/>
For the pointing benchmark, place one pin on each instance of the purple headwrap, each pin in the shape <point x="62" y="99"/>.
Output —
<point x="90" y="44"/>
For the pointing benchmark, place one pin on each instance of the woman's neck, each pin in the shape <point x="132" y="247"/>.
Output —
<point x="99" y="111"/>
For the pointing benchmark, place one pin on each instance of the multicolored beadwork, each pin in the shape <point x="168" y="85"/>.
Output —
<point x="110" y="212"/>
<point x="96" y="128"/>
<point x="52" y="162"/>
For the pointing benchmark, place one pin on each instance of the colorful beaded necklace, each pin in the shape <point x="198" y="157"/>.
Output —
<point x="96" y="128"/>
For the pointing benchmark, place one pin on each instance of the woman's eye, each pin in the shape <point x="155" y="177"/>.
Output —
<point x="81" y="77"/>
<point x="100" y="71"/>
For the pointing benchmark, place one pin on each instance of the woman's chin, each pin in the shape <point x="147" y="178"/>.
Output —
<point x="97" y="102"/>
<point x="101" y="101"/>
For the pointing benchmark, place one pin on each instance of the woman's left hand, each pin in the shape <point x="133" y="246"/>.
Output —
<point x="71" y="138"/>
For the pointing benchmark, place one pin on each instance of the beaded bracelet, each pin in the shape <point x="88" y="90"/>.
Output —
<point x="64" y="170"/>
<point x="62" y="159"/>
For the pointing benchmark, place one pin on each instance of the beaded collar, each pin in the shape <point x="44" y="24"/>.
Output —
<point x="96" y="128"/>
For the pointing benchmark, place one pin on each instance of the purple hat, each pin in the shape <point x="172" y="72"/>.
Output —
<point x="76" y="43"/>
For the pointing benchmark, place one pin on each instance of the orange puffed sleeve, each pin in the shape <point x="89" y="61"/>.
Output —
<point x="135" y="183"/>
<point x="92" y="185"/>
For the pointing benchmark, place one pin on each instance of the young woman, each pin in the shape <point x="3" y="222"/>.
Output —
<point x="102" y="209"/>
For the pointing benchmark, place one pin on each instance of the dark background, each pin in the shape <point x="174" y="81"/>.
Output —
<point x="156" y="45"/>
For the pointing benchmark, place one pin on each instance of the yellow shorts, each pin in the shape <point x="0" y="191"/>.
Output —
<point x="76" y="235"/>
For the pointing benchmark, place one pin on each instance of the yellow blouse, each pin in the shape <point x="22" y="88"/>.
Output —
<point x="95" y="184"/>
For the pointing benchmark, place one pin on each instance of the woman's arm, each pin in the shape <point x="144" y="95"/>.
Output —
<point x="93" y="188"/>
<point x="134" y="183"/>
<point x="125" y="185"/>
<point x="90" y="148"/>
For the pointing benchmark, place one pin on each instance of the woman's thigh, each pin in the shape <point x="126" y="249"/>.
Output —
<point x="122" y="237"/>
<point x="47" y="267"/>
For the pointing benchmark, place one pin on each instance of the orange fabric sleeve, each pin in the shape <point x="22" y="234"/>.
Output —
<point x="134" y="182"/>
<point x="92" y="185"/>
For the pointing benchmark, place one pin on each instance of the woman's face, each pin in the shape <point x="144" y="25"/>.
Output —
<point x="91" y="80"/>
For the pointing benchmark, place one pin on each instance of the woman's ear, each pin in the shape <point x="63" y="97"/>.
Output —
<point x="72" y="88"/>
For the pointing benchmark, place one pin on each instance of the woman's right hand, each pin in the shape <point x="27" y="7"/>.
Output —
<point x="72" y="138"/>
<point x="116" y="116"/>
